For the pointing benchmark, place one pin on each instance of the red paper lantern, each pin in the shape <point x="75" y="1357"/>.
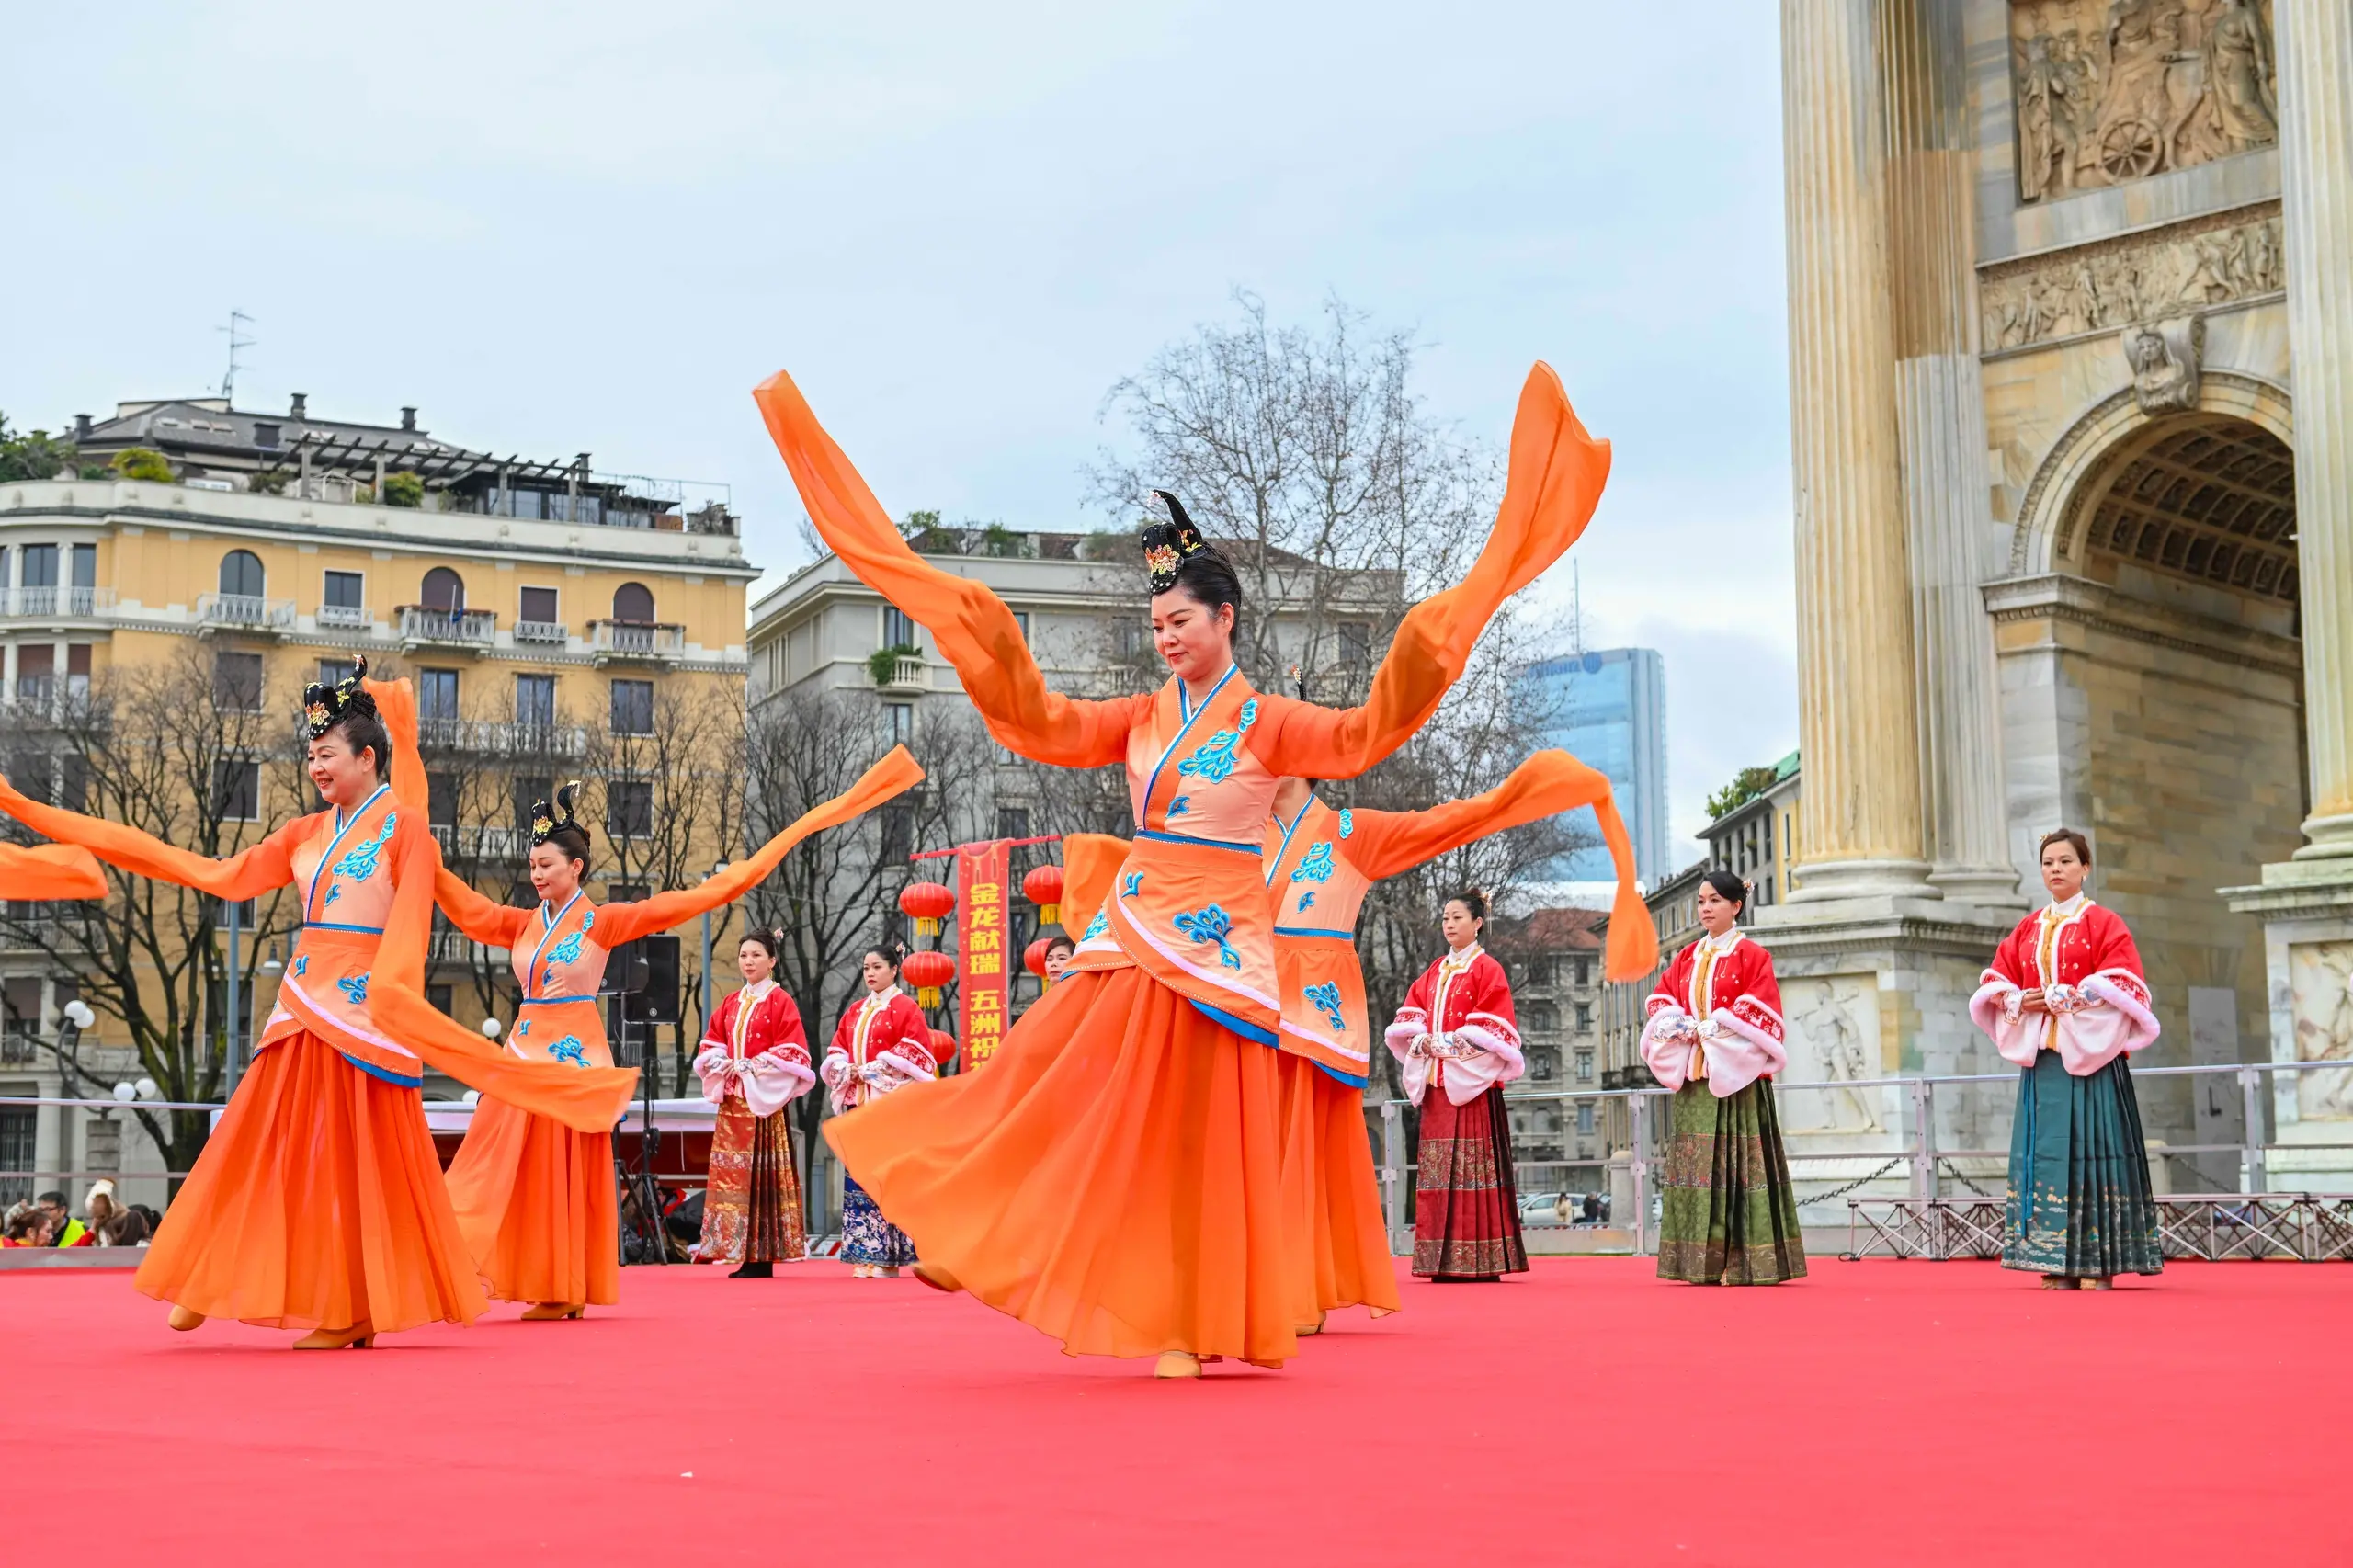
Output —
<point x="1043" y="887"/>
<point x="928" y="903"/>
<point x="943" y="1048"/>
<point x="1033" y="958"/>
<point x="927" y="971"/>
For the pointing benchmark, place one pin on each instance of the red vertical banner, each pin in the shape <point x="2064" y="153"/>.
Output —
<point x="984" y="974"/>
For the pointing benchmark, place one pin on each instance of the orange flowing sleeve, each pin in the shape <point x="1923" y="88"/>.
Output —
<point x="619" y="923"/>
<point x="1089" y="862"/>
<point x="491" y="923"/>
<point x="49" y="872"/>
<point x="247" y="874"/>
<point x="1557" y="473"/>
<point x="586" y="1099"/>
<point x="1385" y="843"/>
<point x="969" y="625"/>
<point x="494" y="925"/>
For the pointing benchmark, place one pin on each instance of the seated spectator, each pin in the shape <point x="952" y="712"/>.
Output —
<point x="127" y="1228"/>
<point x="26" y="1226"/>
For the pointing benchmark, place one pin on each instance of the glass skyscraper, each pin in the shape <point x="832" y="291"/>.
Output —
<point x="1608" y="709"/>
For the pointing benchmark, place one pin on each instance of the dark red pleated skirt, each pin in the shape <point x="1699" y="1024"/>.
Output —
<point x="1466" y="1209"/>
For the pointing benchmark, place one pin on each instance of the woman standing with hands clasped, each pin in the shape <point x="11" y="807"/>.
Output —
<point x="881" y="1044"/>
<point x="1727" y="1214"/>
<point x="2066" y="1001"/>
<point x="755" y="1061"/>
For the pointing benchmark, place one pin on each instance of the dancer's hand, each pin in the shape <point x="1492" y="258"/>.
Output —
<point x="2033" y="1002"/>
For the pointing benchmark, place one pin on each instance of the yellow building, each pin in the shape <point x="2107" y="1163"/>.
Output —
<point x="558" y="623"/>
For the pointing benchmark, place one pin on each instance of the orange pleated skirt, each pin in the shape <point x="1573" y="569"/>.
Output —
<point x="1331" y="1190"/>
<point x="1112" y="1177"/>
<point x="318" y="1203"/>
<point x="536" y="1205"/>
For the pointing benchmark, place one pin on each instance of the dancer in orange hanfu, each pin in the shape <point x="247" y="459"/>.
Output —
<point x="318" y="1203"/>
<point x="1114" y="1177"/>
<point x="1320" y="863"/>
<point x="534" y="1197"/>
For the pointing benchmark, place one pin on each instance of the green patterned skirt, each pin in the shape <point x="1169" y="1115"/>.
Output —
<point x="1727" y="1215"/>
<point x="2079" y="1199"/>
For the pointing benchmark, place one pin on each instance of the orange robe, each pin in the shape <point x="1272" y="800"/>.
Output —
<point x="318" y="1202"/>
<point x="535" y="1198"/>
<point x="1319" y="864"/>
<point x="1115" y="1178"/>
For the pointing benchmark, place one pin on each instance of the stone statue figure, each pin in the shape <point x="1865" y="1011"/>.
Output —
<point x="2238" y="76"/>
<point x="2324" y="1032"/>
<point x="1838" y="1052"/>
<point x="2046" y="124"/>
<point x="2164" y="358"/>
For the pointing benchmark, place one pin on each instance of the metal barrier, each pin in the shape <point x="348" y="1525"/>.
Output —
<point x="2212" y="1227"/>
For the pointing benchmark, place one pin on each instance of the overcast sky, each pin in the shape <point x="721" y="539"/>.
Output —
<point x="595" y="226"/>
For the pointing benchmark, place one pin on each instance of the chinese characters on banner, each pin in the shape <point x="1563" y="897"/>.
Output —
<point x="985" y="986"/>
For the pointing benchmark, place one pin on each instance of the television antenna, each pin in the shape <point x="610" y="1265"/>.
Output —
<point x="238" y="322"/>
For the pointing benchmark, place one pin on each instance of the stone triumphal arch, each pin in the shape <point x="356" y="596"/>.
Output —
<point x="2071" y="331"/>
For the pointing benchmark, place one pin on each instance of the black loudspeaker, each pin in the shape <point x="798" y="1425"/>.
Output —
<point x="645" y="973"/>
<point x="625" y="971"/>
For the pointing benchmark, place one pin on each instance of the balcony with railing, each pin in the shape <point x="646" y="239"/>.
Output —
<point x="482" y="843"/>
<point x="54" y="603"/>
<point x="641" y="642"/>
<point x="345" y="617"/>
<point x="430" y="626"/>
<point x="906" y="672"/>
<point x="503" y="737"/>
<point x="554" y="632"/>
<point x="245" y="612"/>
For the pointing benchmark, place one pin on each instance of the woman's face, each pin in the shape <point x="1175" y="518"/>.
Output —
<point x="1057" y="960"/>
<point x="2064" y="872"/>
<point x="342" y="777"/>
<point x="878" y="972"/>
<point x="755" y="960"/>
<point x="1197" y="641"/>
<point x="555" y="876"/>
<point x="1717" y="913"/>
<point x="1461" y="927"/>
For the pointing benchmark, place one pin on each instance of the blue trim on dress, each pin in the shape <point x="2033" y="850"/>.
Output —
<point x="1276" y="863"/>
<point x="1179" y="738"/>
<point x="1226" y="1020"/>
<point x="544" y="1001"/>
<point x="386" y="1074"/>
<point x="1354" y="1083"/>
<point x="1314" y="931"/>
<point x="330" y="926"/>
<point x="1205" y="843"/>
<point x="326" y="856"/>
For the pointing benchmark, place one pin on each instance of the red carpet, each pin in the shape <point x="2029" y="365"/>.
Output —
<point x="1878" y="1413"/>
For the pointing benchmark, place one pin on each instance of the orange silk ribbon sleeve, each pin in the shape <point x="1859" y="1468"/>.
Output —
<point x="1090" y="860"/>
<point x="586" y="1099"/>
<point x="617" y="922"/>
<point x="969" y="625"/>
<point x="1557" y="473"/>
<point x="1551" y="782"/>
<point x="247" y="874"/>
<point x="492" y="925"/>
<point x="51" y="872"/>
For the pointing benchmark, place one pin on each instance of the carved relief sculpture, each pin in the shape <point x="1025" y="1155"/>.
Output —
<point x="2134" y="280"/>
<point x="2106" y="91"/>
<point x="2163" y="356"/>
<point x="2321" y="982"/>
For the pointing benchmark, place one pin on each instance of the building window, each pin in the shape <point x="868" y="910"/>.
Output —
<point x="899" y="722"/>
<point x="538" y="605"/>
<point x="1013" y="822"/>
<point x="633" y="706"/>
<point x="899" y="630"/>
<point x="1356" y="645"/>
<point x="634" y="601"/>
<point x="442" y="998"/>
<point x="266" y="435"/>
<point x="441" y="799"/>
<point x="528" y="793"/>
<point x="437" y="694"/>
<point x="1542" y="1019"/>
<point x="236" y="681"/>
<point x="1022" y="620"/>
<point x="344" y="590"/>
<point x="444" y="589"/>
<point x="535" y="700"/>
<point x="241" y="574"/>
<point x="627" y="892"/>
<point x="85" y="565"/>
<point x="19" y="1125"/>
<point x="1130" y="637"/>
<point x="1584" y="1115"/>
<point x="40" y="565"/>
<point x="898" y="834"/>
<point x="236" y="790"/>
<point x="1585" y="1066"/>
<point x="629" y="808"/>
<point x="1584" y="1017"/>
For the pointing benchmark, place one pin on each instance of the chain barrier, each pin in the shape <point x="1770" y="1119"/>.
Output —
<point x="1858" y="1181"/>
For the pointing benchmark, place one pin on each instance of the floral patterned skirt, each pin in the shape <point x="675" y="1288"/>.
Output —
<point x="1727" y="1214"/>
<point x="1466" y="1207"/>
<point x="2079" y="1200"/>
<point x="751" y="1209"/>
<point x="867" y="1237"/>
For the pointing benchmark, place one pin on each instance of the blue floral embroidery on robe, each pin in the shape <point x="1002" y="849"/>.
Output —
<point x="1180" y="805"/>
<point x="1315" y="865"/>
<point x="1326" y="998"/>
<point x="569" y="1048"/>
<point x="1213" y="759"/>
<point x="522" y="1028"/>
<point x="1348" y="822"/>
<point x="359" y="862"/>
<point x="1307" y="900"/>
<point x="567" y="951"/>
<point x="334" y="893"/>
<point x="1211" y="925"/>
<point x="355" y="988"/>
<point x="1097" y="927"/>
<point x="302" y="965"/>
<point x="1134" y="885"/>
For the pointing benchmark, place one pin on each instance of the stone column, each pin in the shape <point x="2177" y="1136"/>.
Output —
<point x="1859" y="818"/>
<point x="1941" y="433"/>
<point x="2315" y="47"/>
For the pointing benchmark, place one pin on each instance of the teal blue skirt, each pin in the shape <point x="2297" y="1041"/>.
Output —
<point x="2079" y="1200"/>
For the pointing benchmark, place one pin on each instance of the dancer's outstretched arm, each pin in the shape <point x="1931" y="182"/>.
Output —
<point x="1382" y="843"/>
<point x="970" y="625"/>
<point x="619" y="923"/>
<point x="1556" y="478"/>
<point x="492" y="924"/>
<point x="49" y="872"/>
<point x="247" y="874"/>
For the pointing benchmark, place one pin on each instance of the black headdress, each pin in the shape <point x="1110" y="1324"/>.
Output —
<point x="325" y="706"/>
<point x="1165" y="545"/>
<point x="548" y="821"/>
